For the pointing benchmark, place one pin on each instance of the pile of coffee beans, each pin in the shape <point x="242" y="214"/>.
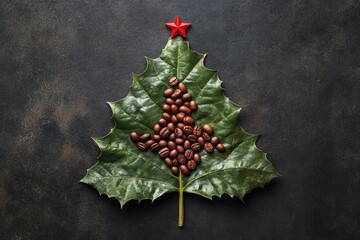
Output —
<point x="177" y="139"/>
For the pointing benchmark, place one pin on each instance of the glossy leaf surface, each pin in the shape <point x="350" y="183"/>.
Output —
<point x="125" y="173"/>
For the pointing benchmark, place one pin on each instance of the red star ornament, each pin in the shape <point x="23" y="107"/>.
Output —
<point x="178" y="27"/>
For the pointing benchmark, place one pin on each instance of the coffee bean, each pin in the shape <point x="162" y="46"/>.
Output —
<point x="168" y="162"/>
<point x="185" y="110"/>
<point x="220" y="147"/>
<point x="155" y="147"/>
<point x="195" y="147"/>
<point x="145" y="137"/>
<point x="173" y="153"/>
<point x="178" y="132"/>
<point x="164" y="133"/>
<point x="163" y="143"/>
<point x="180" y="116"/>
<point x="188" y="120"/>
<point x="197" y="131"/>
<point x="182" y="87"/>
<point x="166" y="108"/>
<point x="206" y="137"/>
<point x="175" y="138"/>
<point x="175" y="170"/>
<point x="186" y="97"/>
<point x="192" y="138"/>
<point x="149" y="143"/>
<point x="134" y="137"/>
<point x="174" y="109"/>
<point x="184" y="169"/>
<point x="214" y="140"/>
<point x="174" y="81"/>
<point x="197" y="158"/>
<point x="209" y="147"/>
<point x="188" y="129"/>
<point x="193" y="106"/>
<point x="172" y="137"/>
<point x="171" y="127"/>
<point x="181" y="126"/>
<point x="180" y="149"/>
<point x="171" y="145"/>
<point x="177" y="94"/>
<point x="179" y="102"/>
<point x="191" y="165"/>
<point x="187" y="144"/>
<point x="208" y="129"/>
<point x="201" y="140"/>
<point x="157" y="128"/>
<point x="189" y="154"/>
<point x="162" y="122"/>
<point x="164" y="152"/>
<point x="175" y="162"/>
<point x="169" y="101"/>
<point x="181" y="159"/>
<point x="141" y="146"/>
<point x="179" y="141"/>
<point x="156" y="138"/>
<point x="168" y="92"/>
<point x="166" y="116"/>
<point x="174" y="119"/>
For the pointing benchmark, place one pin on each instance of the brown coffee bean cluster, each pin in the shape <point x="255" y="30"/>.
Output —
<point x="177" y="139"/>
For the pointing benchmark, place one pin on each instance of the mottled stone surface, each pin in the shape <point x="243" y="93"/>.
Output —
<point x="295" y="63"/>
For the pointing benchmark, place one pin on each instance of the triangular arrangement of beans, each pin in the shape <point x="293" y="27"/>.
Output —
<point x="176" y="138"/>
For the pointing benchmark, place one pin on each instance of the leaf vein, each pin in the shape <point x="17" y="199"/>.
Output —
<point x="138" y="178"/>
<point x="177" y="62"/>
<point x="222" y="119"/>
<point x="224" y="169"/>
<point x="169" y="174"/>
<point x="214" y="186"/>
<point x="166" y="62"/>
<point x="203" y="87"/>
<point x="149" y="95"/>
<point x="192" y="68"/>
<point x="139" y="157"/>
<point x="136" y="120"/>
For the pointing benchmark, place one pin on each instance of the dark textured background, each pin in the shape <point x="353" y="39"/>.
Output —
<point x="296" y="63"/>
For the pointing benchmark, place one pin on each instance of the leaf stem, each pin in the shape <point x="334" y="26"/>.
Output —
<point x="181" y="202"/>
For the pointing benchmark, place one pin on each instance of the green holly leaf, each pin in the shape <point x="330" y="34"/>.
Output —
<point x="125" y="173"/>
